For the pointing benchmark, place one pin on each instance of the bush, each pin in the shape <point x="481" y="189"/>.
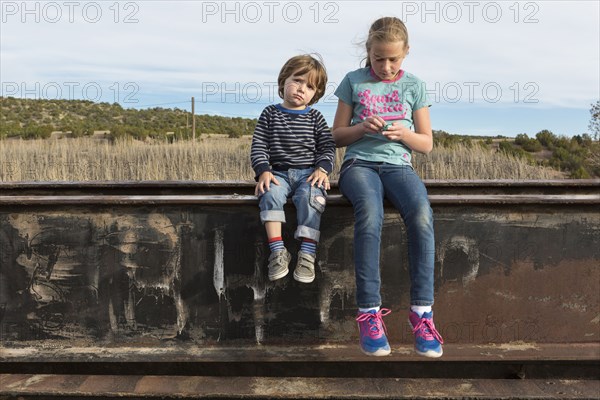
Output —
<point x="508" y="148"/>
<point x="546" y="138"/>
<point x="580" y="173"/>
<point x="37" y="132"/>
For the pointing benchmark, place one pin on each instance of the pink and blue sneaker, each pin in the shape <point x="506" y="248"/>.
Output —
<point x="373" y="341"/>
<point x="428" y="341"/>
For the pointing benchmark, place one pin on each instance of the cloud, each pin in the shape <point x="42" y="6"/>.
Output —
<point x="541" y="50"/>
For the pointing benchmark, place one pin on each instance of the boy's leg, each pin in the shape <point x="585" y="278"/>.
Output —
<point x="274" y="236"/>
<point x="408" y="194"/>
<point x="273" y="229"/>
<point x="310" y="203"/>
<point x="271" y="204"/>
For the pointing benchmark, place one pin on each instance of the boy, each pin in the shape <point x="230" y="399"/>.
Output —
<point x="292" y="154"/>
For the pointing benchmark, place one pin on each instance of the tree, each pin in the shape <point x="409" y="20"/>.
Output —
<point x="594" y="125"/>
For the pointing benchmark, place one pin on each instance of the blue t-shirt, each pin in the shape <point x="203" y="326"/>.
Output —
<point x="394" y="101"/>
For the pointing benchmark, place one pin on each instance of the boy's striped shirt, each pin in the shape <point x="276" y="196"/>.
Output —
<point x="286" y="139"/>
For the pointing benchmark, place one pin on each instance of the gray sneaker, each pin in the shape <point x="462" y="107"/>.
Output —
<point x="278" y="264"/>
<point x="305" y="269"/>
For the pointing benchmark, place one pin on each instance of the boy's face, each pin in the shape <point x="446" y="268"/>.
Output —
<point x="298" y="91"/>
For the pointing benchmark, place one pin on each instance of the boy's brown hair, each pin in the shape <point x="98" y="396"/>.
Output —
<point x="300" y="65"/>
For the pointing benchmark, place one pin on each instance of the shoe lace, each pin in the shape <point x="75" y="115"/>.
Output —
<point x="426" y="328"/>
<point x="375" y="321"/>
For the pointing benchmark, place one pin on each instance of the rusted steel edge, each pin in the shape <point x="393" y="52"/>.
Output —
<point x="453" y="199"/>
<point x="339" y="352"/>
<point x="257" y="387"/>
<point x="249" y="184"/>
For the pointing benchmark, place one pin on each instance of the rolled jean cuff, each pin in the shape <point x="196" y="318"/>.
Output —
<point x="307" y="232"/>
<point x="272" y="216"/>
<point x="421" y="303"/>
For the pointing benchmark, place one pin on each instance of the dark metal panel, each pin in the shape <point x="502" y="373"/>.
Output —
<point x="128" y="275"/>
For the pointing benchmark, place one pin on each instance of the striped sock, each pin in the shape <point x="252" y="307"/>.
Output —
<point x="308" y="246"/>
<point x="276" y="244"/>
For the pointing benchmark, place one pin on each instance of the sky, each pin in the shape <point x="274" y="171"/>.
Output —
<point x="490" y="67"/>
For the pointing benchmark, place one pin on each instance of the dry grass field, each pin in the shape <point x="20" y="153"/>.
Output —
<point x="215" y="158"/>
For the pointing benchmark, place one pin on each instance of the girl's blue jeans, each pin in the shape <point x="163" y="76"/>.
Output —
<point x="309" y="201"/>
<point x="366" y="184"/>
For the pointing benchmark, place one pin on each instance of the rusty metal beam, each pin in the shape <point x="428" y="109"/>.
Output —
<point x="28" y="386"/>
<point x="217" y="200"/>
<point x="565" y="186"/>
<point x="113" y="275"/>
<point x="506" y="361"/>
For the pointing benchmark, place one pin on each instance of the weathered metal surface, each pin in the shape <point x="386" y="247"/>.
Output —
<point x="503" y="361"/>
<point x="547" y="187"/>
<point x="135" y="270"/>
<point x="235" y="199"/>
<point x="199" y="387"/>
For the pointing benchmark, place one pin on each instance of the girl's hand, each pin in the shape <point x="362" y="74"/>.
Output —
<point x="264" y="182"/>
<point x="373" y="124"/>
<point x="320" y="178"/>
<point x="396" y="132"/>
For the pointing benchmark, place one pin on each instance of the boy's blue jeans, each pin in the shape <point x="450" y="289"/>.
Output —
<point x="309" y="201"/>
<point x="366" y="184"/>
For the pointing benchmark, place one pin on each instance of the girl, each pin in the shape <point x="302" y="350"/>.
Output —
<point x="378" y="107"/>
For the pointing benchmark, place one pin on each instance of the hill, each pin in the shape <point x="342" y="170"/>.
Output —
<point x="29" y="118"/>
<point x="577" y="157"/>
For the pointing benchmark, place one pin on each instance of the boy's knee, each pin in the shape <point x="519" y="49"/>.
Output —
<point x="272" y="199"/>
<point x="317" y="200"/>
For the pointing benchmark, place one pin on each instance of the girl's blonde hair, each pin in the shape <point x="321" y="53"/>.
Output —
<point x="386" y="29"/>
<point x="300" y="65"/>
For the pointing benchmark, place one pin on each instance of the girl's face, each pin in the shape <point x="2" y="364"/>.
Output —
<point x="298" y="91"/>
<point x="386" y="58"/>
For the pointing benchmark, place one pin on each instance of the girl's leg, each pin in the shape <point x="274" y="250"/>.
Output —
<point x="360" y="183"/>
<point x="408" y="194"/>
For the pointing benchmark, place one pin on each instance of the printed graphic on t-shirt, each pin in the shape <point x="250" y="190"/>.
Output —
<point x="377" y="104"/>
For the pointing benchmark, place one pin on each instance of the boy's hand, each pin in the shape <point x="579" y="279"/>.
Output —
<point x="320" y="178"/>
<point x="264" y="182"/>
<point x="396" y="132"/>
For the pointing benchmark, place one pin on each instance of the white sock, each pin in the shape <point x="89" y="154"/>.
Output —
<point x="420" y="310"/>
<point x="366" y="310"/>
